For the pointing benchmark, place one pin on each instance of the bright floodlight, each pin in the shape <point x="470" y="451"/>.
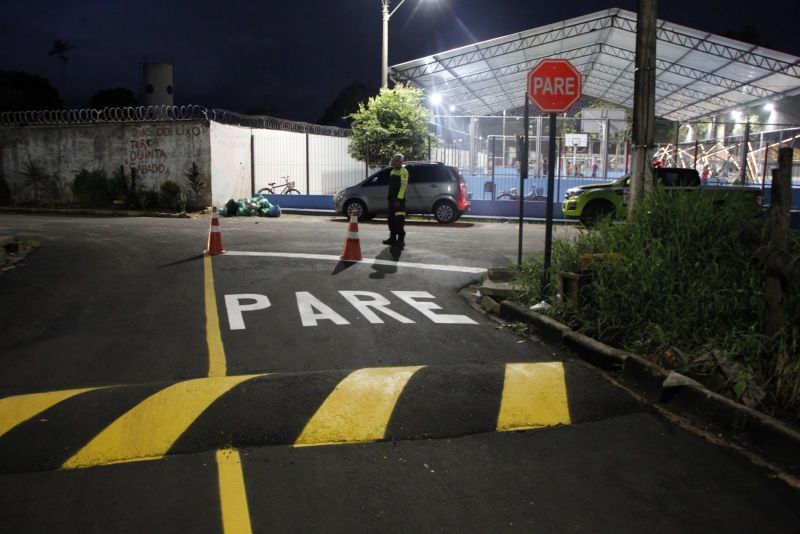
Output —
<point x="736" y="114"/>
<point x="436" y="99"/>
<point x="769" y="107"/>
<point x="452" y="108"/>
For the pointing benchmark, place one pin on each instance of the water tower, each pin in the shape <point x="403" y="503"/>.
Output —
<point x="157" y="84"/>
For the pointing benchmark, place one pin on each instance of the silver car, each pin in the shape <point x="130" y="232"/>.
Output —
<point x="432" y="188"/>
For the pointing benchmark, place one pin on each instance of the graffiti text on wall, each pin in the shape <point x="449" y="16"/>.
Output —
<point x="145" y="148"/>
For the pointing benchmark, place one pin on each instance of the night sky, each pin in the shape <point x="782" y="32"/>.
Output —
<point x="300" y="54"/>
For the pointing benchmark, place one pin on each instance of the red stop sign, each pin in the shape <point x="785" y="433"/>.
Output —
<point x="554" y="85"/>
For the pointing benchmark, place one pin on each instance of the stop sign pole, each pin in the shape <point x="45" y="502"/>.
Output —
<point x="554" y="85"/>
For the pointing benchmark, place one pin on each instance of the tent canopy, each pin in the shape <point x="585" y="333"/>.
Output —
<point x="698" y="74"/>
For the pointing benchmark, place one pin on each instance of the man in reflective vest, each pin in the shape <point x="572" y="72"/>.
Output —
<point x="398" y="185"/>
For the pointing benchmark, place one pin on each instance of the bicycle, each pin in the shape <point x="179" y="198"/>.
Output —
<point x="287" y="188"/>
<point x="512" y="195"/>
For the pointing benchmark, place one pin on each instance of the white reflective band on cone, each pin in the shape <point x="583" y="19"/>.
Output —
<point x="352" y="235"/>
<point x="215" y="229"/>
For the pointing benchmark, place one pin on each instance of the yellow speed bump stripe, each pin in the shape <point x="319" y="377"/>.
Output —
<point x="18" y="409"/>
<point x="359" y="409"/>
<point x="149" y="429"/>
<point x="534" y="396"/>
<point x="232" y="493"/>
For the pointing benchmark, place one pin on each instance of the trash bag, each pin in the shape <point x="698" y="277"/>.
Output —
<point x="254" y="206"/>
<point x="274" y="211"/>
<point x="231" y="208"/>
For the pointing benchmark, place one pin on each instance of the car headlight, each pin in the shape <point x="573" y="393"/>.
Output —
<point x="574" y="192"/>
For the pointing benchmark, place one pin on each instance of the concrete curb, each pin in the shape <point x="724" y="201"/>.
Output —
<point x="92" y="212"/>
<point x="772" y="439"/>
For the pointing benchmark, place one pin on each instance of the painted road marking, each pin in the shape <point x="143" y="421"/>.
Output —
<point x="312" y="310"/>
<point x="364" y="300"/>
<point x="149" y="429"/>
<point x="235" y="307"/>
<point x="18" y="409"/>
<point x="426" y="308"/>
<point x="216" y="351"/>
<point x="232" y="493"/>
<point x="369" y="261"/>
<point x="534" y="396"/>
<point x="359" y="409"/>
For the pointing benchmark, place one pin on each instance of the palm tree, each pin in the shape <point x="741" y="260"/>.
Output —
<point x="36" y="177"/>
<point x="60" y="49"/>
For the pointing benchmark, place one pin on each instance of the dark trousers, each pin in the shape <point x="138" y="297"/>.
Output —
<point x="397" y="219"/>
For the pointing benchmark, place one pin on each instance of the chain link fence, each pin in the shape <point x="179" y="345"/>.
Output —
<point x="596" y="148"/>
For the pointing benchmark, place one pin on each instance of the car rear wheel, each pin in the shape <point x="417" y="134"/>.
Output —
<point x="596" y="210"/>
<point x="357" y="208"/>
<point x="445" y="212"/>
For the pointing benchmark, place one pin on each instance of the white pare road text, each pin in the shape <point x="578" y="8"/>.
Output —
<point x="373" y="306"/>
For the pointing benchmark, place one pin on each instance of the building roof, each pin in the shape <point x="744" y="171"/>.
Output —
<point x="699" y="74"/>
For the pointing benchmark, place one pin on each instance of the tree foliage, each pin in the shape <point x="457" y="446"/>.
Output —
<point x="346" y="103"/>
<point x="20" y="91"/>
<point x="393" y="121"/>
<point x="118" y="97"/>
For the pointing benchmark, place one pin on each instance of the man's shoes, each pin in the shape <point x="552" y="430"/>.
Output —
<point x="400" y="244"/>
<point x="389" y="241"/>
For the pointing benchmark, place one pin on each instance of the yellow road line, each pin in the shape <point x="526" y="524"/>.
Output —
<point x="534" y="395"/>
<point x="216" y="351"/>
<point x="358" y="410"/>
<point x="232" y="493"/>
<point x="20" y="408"/>
<point x="150" y="428"/>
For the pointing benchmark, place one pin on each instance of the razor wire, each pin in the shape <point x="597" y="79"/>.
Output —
<point x="161" y="113"/>
<point x="273" y="123"/>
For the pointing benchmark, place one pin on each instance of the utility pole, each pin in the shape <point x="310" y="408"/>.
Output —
<point x="644" y="90"/>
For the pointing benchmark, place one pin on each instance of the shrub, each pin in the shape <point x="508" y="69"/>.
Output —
<point x="169" y="195"/>
<point x="118" y="185"/>
<point x="91" y="188"/>
<point x="685" y="288"/>
<point x="195" y="181"/>
<point x="146" y="198"/>
<point x="5" y="191"/>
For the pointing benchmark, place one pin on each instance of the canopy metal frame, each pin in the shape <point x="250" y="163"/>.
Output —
<point x="699" y="74"/>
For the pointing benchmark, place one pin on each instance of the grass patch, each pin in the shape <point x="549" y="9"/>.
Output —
<point x="682" y="284"/>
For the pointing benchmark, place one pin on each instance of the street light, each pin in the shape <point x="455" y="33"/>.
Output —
<point x="385" y="52"/>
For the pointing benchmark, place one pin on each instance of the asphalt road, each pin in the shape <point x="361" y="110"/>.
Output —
<point x="214" y="414"/>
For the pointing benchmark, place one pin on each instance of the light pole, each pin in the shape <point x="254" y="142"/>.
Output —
<point x="385" y="53"/>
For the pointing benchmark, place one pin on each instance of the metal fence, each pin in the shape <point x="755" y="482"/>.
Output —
<point x="487" y="150"/>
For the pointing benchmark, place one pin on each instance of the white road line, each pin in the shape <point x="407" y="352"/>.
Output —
<point x="430" y="266"/>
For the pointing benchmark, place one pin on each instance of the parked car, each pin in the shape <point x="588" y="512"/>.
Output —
<point x="589" y="203"/>
<point x="433" y="188"/>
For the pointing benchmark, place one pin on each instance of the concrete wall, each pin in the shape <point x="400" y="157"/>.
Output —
<point x="159" y="151"/>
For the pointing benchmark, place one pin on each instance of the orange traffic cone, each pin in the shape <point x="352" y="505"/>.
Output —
<point x="214" y="236"/>
<point x="352" y="246"/>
